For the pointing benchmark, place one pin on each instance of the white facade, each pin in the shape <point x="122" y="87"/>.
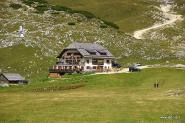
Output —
<point x="89" y="66"/>
<point x="74" y="59"/>
<point x="84" y="57"/>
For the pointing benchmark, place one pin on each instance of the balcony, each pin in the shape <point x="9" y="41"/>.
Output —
<point x="68" y="63"/>
<point x="64" y="69"/>
<point x="97" y="62"/>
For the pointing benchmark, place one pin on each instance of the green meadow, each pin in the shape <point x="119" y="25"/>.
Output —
<point x="86" y="98"/>
<point x="129" y="15"/>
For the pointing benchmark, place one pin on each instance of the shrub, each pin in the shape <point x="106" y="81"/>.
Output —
<point x="29" y="2"/>
<point x="54" y="13"/>
<point x="111" y="24"/>
<point x="61" y="8"/>
<point x="71" y="23"/>
<point x="15" y="6"/>
<point x="85" y="13"/>
<point x="103" y="26"/>
<point x="41" y="8"/>
<point x="69" y="10"/>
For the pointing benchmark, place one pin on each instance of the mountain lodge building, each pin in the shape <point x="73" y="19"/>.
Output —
<point x="83" y="57"/>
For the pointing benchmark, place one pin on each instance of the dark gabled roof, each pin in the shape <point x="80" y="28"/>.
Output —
<point x="87" y="46"/>
<point x="89" y="50"/>
<point x="13" y="76"/>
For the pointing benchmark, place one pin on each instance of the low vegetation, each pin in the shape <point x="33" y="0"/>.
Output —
<point x="71" y="23"/>
<point x="15" y="6"/>
<point x="71" y="11"/>
<point x="43" y="5"/>
<point x="103" y="26"/>
<point x="30" y="2"/>
<point x="41" y="8"/>
<point x="111" y="24"/>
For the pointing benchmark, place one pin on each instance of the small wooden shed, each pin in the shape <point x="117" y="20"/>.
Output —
<point x="12" y="78"/>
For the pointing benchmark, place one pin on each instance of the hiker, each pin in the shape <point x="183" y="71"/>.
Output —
<point x="157" y="85"/>
<point x="154" y="85"/>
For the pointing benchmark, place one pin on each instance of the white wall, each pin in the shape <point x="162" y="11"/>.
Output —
<point x="105" y="65"/>
<point x="88" y="64"/>
<point x="108" y="65"/>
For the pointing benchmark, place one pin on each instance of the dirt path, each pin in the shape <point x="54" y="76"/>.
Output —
<point x="167" y="13"/>
<point x="126" y="70"/>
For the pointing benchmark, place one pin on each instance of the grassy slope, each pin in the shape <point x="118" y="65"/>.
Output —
<point x="48" y="33"/>
<point x="173" y="34"/>
<point x="130" y="15"/>
<point x="27" y="60"/>
<point x="114" y="98"/>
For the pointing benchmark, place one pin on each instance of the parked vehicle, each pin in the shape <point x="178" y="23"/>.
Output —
<point x="137" y="64"/>
<point x="116" y="65"/>
<point x="134" y="68"/>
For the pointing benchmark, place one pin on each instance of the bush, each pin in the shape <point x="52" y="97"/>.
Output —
<point x="61" y="8"/>
<point x="71" y="23"/>
<point x="69" y="10"/>
<point x="85" y="13"/>
<point x="15" y="6"/>
<point x="103" y="26"/>
<point x="111" y="24"/>
<point x="54" y="13"/>
<point x="29" y="2"/>
<point x="41" y="8"/>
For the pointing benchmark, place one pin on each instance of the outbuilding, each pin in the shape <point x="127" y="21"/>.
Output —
<point x="12" y="78"/>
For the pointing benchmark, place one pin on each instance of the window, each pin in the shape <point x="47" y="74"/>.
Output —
<point x="97" y="61"/>
<point x="68" y="54"/>
<point x="87" y="61"/>
<point x="103" y="53"/>
<point x="92" y="53"/>
<point x="77" y="54"/>
<point x="94" y="67"/>
<point x="108" y="61"/>
<point x="88" y="67"/>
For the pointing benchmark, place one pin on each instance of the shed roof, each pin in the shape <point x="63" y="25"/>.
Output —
<point x="13" y="76"/>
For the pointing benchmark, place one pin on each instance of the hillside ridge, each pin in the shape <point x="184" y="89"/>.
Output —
<point x="47" y="33"/>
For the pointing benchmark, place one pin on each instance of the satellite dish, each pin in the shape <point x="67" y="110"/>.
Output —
<point x="21" y="31"/>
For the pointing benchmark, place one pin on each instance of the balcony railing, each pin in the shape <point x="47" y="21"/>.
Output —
<point x="53" y="70"/>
